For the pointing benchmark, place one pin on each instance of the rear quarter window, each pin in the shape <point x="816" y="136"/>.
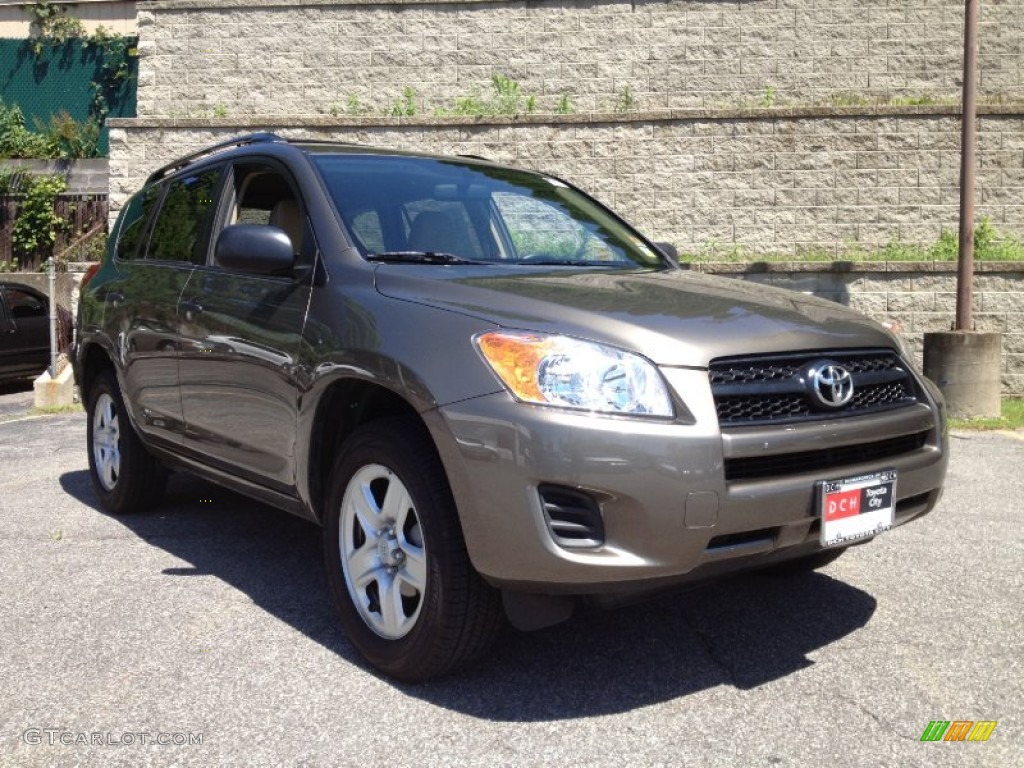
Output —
<point x="133" y="222"/>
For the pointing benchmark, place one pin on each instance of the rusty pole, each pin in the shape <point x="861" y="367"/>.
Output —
<point x="968" y="143"/>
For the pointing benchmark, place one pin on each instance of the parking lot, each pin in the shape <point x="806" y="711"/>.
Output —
<point x="206" y="624"/>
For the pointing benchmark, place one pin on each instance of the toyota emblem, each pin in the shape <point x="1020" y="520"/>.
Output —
<point x="830" y="384"/>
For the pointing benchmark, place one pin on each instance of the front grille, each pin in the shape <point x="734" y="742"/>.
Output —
<point x="758" y="467"/>
<point x="775" y="390"/>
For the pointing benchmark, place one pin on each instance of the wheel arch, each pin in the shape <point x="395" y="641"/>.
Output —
<point x="94" y="359"/>
<point x="342" y="407"/>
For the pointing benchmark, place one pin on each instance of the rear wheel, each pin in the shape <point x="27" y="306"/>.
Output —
<point x="408" y="596"/>
<point x="125" y="476"/>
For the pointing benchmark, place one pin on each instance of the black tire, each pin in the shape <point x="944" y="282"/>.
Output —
<point x="807" y="563"/>
<point x="134" y="480"/>
<point x="452" y="616"/>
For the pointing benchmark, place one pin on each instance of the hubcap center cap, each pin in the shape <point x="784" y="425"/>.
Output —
<point x="391" y="554"/>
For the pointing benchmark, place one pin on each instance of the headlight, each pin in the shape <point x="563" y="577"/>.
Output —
<point x="561" y="371"/>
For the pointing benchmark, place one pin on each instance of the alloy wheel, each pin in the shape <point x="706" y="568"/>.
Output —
<point x="106" y="441"/>
<point x="383" y="556"/>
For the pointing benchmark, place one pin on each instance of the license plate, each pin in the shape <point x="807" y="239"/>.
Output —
<point x="857" y="508"/>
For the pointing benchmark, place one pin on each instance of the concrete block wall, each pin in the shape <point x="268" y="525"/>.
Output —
<point x="776" y="180"/>
<point x="308" y="57"/>
<point x="90" y="176"/>
<point x="914" y="298"/>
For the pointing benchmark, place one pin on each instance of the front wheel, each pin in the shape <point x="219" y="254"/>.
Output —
<point x="408" y="596"/>
<point x="125" y="476"/>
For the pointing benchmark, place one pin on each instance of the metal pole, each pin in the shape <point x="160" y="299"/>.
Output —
<point x="53" y="317"/>
<point x="968" y="144"/>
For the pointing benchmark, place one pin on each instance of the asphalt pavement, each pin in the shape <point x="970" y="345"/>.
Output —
<point x="201" y="634"/>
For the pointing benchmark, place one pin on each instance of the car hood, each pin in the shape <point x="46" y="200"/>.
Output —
<point x="674" y="318"/>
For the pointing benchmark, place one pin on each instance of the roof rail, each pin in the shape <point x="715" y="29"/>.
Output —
<point x="240" y="141"/>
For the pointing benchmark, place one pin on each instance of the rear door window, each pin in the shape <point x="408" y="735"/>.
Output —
<point x="181" y="230"/>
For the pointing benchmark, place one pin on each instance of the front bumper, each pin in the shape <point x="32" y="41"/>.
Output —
<point x="667" y="509"/>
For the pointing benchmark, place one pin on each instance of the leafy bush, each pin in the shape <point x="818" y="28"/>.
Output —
<point x="37" y="224"/>
<point x="64" y="137"/>
<point x="16" y="140"/>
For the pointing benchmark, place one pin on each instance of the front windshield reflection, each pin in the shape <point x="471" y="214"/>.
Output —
<point x="479" y="213"/>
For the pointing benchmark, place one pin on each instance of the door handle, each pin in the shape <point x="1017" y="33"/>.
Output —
<point x="113" y="297"/>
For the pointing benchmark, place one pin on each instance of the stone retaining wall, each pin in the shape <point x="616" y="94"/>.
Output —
<point x="85" y="177"/>
<point x="770" y="180"/>
<point x="310" y="57"/>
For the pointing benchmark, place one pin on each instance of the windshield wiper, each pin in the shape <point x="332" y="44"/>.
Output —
<point x="554" y="262"/>
<point x="419" y="257"/>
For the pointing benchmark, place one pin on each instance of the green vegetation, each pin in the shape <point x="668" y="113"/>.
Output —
<point x="53" y="410"/>
<point x="406" y="106"/>
<point x="37" y="224"/>
<point x="63" y="136"/>
<point x="989" y="245"/>
<point x="626" y="101"/>
<point x="1012" y="418"/>
<point x="52" y="26"/>
<point x="353" y="106"/>
<point x="508" y="99"/>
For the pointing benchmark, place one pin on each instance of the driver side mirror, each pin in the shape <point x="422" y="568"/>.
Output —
<point x="669" y="251"/>
<point x="255" y="249"/>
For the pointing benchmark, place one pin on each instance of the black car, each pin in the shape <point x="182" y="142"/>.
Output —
<point x="24" y="332"/>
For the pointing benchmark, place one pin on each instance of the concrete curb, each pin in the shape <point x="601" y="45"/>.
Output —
<point x="55" y="392"/>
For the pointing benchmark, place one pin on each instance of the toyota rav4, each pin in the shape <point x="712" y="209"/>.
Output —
<point x="494" y="395"/>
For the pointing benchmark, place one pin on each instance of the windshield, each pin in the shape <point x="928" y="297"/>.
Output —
<point x="428" y="210"/>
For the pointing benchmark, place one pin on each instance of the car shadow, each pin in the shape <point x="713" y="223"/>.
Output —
<point x="15" y="386"/>
<point x="743" y="632"/>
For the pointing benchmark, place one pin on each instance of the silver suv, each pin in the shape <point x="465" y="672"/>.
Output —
<point x="495" y="396"/>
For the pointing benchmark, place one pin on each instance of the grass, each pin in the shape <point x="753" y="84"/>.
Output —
<point x="989" y="245"/>
<point x="1012" y="418"/>
<point x="53" y="410"/>
<point x="508" y="98"/>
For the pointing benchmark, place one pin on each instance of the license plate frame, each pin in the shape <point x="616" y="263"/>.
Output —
<point x="853" y="509"/>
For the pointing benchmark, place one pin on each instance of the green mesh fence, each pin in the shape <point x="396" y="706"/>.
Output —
<point x="61" y="79"/>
